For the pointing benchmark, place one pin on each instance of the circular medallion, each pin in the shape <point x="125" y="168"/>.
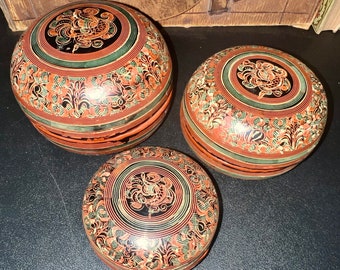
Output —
<point x="262" y="78"/>
<point x="253" y="112"/>
<point x="148" y="197"/>
<point x="93" y="77"/>
<point x="83" y="30"/>
<point x="263" y="81"/>
<point x="91" y="35"/>
<point x="150" y="202"/>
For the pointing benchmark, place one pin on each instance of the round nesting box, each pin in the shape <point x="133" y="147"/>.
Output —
<point x="93" y="77"/>
<point x="253" y="112"/>
<point x="150" y="208"/>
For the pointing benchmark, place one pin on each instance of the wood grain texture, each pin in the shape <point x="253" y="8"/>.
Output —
<point x="162" y="9"/>
<point x="255" y="6"/>
<point x="218" y="7"/>
<point x="21" y="13"/>
<point x="249" y="13"/>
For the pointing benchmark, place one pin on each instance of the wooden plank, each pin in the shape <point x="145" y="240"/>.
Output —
<point x="161" y="9"/>
<point x="202" y="6"/>
<point x="300" y="13"/>
<point x="19" y="10"/>
<point x="21" y="13"/>
<point x="42" y="7"/>
<point x="225" y="19"/>
<point x="306" y="7"/>
<point x="247" y="12"/>
<point x="217" y="7"/>
<point x="256" y="6"/>
<point x="299" y="20"/>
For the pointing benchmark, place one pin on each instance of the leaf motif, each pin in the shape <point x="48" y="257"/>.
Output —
<point x="262" y="94"/>
<point x="136" y="205"/>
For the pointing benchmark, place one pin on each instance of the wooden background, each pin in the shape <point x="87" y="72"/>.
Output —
<point x="187" y="13"/>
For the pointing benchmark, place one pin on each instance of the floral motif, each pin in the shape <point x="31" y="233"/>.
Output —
<point x="152" y="71"/>
<point x="88" y="86"/>
<point x="165" y="255"/>
<point x="82" y="29"/>
<point x="151" y="191"/>
<point x="247" y="130"/>
<point x="174" y="248"/>
<point x="270" y="79"/>
<point x="76" y="98"/>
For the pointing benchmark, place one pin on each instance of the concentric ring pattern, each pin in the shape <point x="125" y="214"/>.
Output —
<point x="93" y="77"/>
<point x="253" y="112"/>
<point x="150" y="208"/>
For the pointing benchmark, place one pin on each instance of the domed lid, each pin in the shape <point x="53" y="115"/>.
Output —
<point x="89" y="35"/>
<point x="99" y="62"/>
<point x="256" y="104"/>
<point x="150" y="207"/>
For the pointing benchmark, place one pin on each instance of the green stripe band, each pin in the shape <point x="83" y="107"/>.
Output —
<point x="91" y="63"/>
<point x="252" y="102"/>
